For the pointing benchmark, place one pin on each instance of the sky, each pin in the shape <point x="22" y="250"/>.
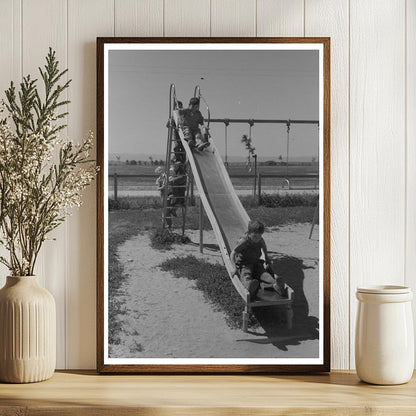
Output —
<point x="263" y="84"/>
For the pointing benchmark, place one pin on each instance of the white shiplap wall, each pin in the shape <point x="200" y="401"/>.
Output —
<point x="373" y="128"/>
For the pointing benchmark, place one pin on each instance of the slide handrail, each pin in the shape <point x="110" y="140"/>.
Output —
<point x="197" y="94"/>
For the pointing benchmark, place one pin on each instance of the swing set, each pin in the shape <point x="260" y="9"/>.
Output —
<point x="251" y="122"/>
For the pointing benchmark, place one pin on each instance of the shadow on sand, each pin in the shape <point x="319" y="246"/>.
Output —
<point x="273" y="320"/>
<point x="305" y="327"/>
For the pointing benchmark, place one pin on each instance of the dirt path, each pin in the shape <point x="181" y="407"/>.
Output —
<point x="166" y="317"/>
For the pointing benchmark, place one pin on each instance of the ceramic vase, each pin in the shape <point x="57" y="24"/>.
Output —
<point x="27" y="331"/>
<point x="384" y="342"/>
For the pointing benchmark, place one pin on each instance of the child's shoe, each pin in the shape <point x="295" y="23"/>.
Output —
<point x="203" y="146"/>
<point x="279" y="288"/>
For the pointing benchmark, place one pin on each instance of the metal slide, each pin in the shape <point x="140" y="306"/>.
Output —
<point x="228" y="218"/>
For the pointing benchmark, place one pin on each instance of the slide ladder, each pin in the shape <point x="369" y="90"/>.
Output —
<point x="175" y="189"/>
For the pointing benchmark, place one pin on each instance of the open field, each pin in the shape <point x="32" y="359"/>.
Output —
<point x="243" y="184"/>
<point x="233" y="169"/>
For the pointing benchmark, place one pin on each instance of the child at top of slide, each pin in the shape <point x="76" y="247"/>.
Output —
<point x="191" y="119"/>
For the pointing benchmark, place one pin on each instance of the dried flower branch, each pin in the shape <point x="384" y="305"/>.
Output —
<point x="37" y="192"/>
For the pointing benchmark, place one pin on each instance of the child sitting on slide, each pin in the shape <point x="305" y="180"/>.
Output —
<point x="190" y="119"/>
<point x="247" y="262"/>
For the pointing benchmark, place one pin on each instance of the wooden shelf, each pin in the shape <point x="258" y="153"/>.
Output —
<point x="86" y="393"/>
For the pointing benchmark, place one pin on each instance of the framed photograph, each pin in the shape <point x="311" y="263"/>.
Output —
<point x="213" y="205"/>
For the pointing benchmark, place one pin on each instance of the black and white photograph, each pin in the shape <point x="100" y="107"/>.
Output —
<point x="213" y="204"/>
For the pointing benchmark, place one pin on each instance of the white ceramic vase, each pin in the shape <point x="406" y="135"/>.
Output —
<point x="27" y="331"/>
<point x="384" y="341"/>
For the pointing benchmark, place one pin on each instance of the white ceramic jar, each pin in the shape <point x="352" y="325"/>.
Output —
<point x="384" y="338"/>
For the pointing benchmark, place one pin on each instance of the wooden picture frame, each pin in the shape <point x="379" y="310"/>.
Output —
<point x="242" y="75"/>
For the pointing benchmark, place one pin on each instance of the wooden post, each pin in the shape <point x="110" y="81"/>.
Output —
<point x="246" y="312"/>
<point x="183" y="219"/>
<point x="166" y="175"/>
<point x="226" y="123"/>
<point x="315" y="218"/>
<point x="192" y="189"/>
<point x="287" y="148"/>
<point x="245" y="320"/>
<point x="255" y="176"/>
<point x="259" y="190"/>
<point x="201" y="226"/>
<point x="115" y="187"/>
<point x="289" y="316"/>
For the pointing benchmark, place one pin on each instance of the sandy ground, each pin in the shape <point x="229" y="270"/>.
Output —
<point x="167" y="317"/>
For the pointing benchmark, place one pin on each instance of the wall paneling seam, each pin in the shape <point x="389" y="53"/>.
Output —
<point x="349" y="185"/>
<point x="66" y="222"/>
<point x="210" y="18"/>
<point x="21" y="39"/>
<point x="304" y="18"/>
<point x="405" y="145"/>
